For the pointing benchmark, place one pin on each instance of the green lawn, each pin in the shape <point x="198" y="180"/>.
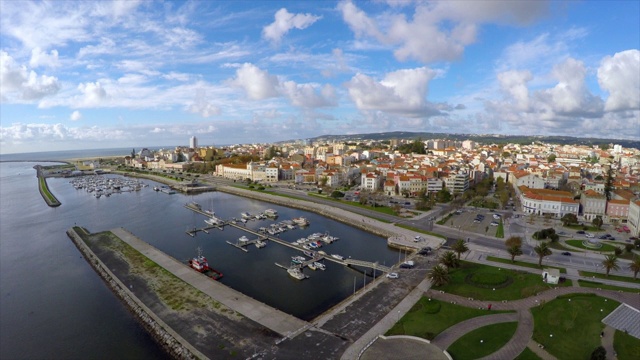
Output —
<point x="589" y="228"/>
<point x="626" y="346"/>
<point x="610" y="277"/>
<point x="595" y="284"/>
<point x="569" y="327"/>
<point x="527" y="355"/>
<point x="428" y="318"/>
<point x="578" y="244"/>
<point x="493" y="337"/>
<point x="525" y="264"/>
<point x="479" y="281"/>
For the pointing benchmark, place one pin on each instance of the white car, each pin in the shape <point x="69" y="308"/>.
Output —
<point x="496" y="216"/>
<point x="589" y="235"/>
<point x="392" y="275"/>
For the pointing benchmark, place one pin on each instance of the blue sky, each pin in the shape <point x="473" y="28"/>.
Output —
<point x="78" y="75"/>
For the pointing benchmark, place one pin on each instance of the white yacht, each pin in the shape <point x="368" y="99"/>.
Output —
<point x="296" y="274"/>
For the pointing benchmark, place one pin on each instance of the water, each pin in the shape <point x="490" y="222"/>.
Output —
<point x="53" y="303"/>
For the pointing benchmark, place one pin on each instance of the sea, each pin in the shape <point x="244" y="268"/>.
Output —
<point x="54" y="306"/>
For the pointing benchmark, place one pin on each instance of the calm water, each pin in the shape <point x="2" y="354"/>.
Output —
<point x="53" y="305"/>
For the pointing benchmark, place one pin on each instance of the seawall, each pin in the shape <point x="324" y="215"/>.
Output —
<point x="43" y="188"/>
<point x="171" y="341"/>
<point x="397" y="237"/>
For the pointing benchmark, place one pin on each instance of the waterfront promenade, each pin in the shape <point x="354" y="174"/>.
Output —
<point x="273" y="319"/>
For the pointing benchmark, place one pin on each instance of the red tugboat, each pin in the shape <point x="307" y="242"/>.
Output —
<point x="200" y="264"/>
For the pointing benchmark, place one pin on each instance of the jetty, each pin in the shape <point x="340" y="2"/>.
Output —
<point x="261" y="236"/>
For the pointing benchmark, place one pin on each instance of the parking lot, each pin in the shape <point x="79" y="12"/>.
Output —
<point x="475" y="221"/>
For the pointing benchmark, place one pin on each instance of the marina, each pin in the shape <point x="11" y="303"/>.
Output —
<point x="304" y="245"/>
<point x="102" y="185"/>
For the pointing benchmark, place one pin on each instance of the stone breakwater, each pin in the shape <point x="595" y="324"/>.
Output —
<point x="171" y="341"/>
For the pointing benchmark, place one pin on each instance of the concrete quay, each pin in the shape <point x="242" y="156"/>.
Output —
<point x="273" y="319"/>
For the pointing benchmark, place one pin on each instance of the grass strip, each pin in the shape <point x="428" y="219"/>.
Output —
<point x="429" y="317"/>
<point x="595" y="284"/>
<point x="569" y="327"/>
<point x="578" y="244"/>
<point x="420" y="230"/>
<point x="525" y="264"/>
<point x="482" y="341"/>
<point x="610" y="277"/>
<point x="500" y="230"/>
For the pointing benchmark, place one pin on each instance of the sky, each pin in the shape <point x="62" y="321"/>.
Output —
<point x="109" y="74"/>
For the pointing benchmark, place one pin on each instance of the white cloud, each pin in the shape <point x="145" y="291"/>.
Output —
<point x="21" y="133"/>
<point x="257" y="84"/>
<point x="570" y="96"/>
<point x="308" y="96"/>
<point x="285" y="21"/>
<point x="202" y="107"/>
<point x="401" y="92"/>
<point x="27" y="85"/>
<point x="41" y="58"/>
<point x="438" y="31"/>
<point x="514" y="84"/>
<point x="75" y="116"/>
<point x="93" y="94"/>
<point x="620" y="76"/>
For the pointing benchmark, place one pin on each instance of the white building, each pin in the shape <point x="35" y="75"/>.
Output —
<point x="193" y="142"/>
<point x="552" y="202"/>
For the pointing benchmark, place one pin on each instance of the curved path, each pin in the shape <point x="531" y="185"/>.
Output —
<point x="450" y="335"/>
<point x="519" y="340"/>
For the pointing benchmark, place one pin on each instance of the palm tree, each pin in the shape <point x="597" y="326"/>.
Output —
<point x="635" y="266"/>
<point x="439" y="275"/>
<point x="514" y="251"/>
<point x="449" y="259"/>
<point x="542" y="250"/>
<point x="460" y="247"/>
<point x="610" y="263"/>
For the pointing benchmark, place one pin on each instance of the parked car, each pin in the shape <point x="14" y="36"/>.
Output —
<point x="494" y="223"/>
<point x="392" y="275"/>
<point x="566" y="253"/>
<point x="589" y="235"/>
<point x="496" y="216"/>
<point x="580" y="232"/>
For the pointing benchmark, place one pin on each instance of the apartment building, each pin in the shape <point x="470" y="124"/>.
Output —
<point x="551" y="202"/>
<point x="593" y="205"/>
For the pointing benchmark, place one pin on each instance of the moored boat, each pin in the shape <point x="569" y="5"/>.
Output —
<point x="301" y="221"/>
<point x="270" y="213"/>
<point x="260" y="244"/>
<point x="298" y="259"/>
<point x="318" y="265"/>
<point x="336" y="256"/>
<point x="296" y="273"/>
<point x="199" y="263"/>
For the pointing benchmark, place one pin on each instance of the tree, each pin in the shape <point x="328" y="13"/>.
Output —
<point x="610" y="263"/>
<point x="449" y="259"/>
<point x="513" y="241"/>
<point x="569" y="219"/>
<point x="608" y="185"/>
<point x="600" y="353"/>
<point x="551" y="158"/>
<point x="542" y="250"/>
<point x="635" y="266"/>
<point x="439" y="275"/>
<point x="597" y="222"/>
<point x="323" y="181"/>
<point x="460" y="247"/>
<point x="514" y="251"/>
<point x="443" y="196"/>
<point x="337" y="194"/>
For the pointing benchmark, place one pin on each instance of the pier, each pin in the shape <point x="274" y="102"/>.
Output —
<point x="262" y="237"/>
